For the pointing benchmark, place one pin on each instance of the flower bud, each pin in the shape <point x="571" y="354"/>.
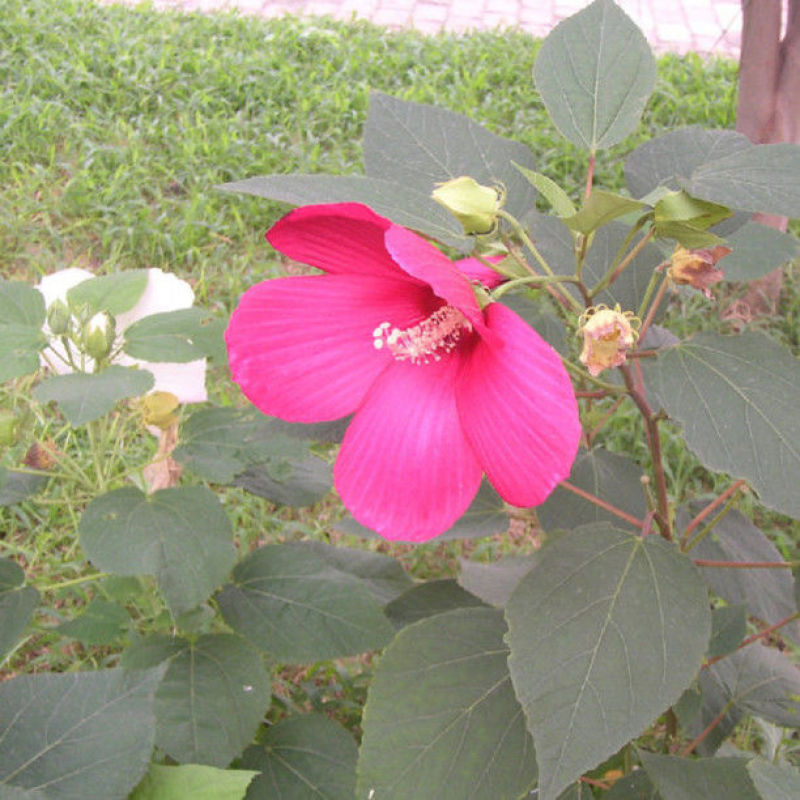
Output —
<point x="8" y="427"/>
<point x="475" y="206"/>
<point x="608" y="335"/>
<point x="158" y="409"/>
<point x="98" y="335"/>
<point x="697" y="268"/>
<point x="59" y="319"/>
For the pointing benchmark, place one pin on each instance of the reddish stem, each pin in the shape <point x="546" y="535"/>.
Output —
<point x="589" y="177"/>
<point x="603" y="504"/>
<point x="689" y="749"/>
<point x="704" y="562"/>
<point x="653" y="308"/>
<point x="755" y="637"/>
<point x="598" y="395"/>
<point x="709" y="509"/>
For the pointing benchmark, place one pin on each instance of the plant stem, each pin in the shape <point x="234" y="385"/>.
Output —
<point x="756" y="636"/>
<point x="705" y="562"/>
<point x="704" y="513"/>
<point x="592" y="498"/>
<point x="581" y="373"/>
<point x="654" y="443"/>
<point x="589" y="176"/>
<point x="653" y="307"/>
<point x="689" y="749"/>
<point x="74" y="582"/>
<point x="615" y="271"/>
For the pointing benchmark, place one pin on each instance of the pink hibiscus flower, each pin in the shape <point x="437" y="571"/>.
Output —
<point x="443" y="391"/>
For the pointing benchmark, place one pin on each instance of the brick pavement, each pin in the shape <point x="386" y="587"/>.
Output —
<point x="680" y="26"/>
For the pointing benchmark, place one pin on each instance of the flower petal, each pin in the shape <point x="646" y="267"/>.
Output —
<point x="164" y="292"/>
<point x="405" y="468"/>
<point x="187" y="380"/>
<point x="340" y="238"/>
<point x="302" y="348"/>
<point x="475" y="270"/>
<point x="422" y="260"/>
<point x="56" y="285"/>
<point x="519" y="411"/>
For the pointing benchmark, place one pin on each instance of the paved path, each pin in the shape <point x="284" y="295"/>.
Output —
<point x="679" y="26"/>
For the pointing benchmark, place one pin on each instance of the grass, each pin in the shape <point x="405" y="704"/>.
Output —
<point x="116" y="125"/>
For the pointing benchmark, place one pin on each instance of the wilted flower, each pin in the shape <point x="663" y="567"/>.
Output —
<point x="164" y="292"/>
<point x="441" y="390"/>
<point x="608" y="335"/>
<point x="475" y="206"/>
<point x="697" y="268"/>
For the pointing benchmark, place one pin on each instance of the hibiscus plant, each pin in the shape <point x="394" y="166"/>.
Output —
<point x="456" y="337"/>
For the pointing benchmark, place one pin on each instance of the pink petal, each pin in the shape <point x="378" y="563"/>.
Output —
<point x="405" y="468"/>
<point x="518" y="409"/>
<point x="340" y="238"/>
<point x="423" y="261"/>
<point x="475" y="270"/>
<point x="302" y="348"/>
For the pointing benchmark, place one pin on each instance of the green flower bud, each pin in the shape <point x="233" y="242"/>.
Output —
<point x="475" y="206"/>
<point x="8" y="427"/>
<point x="59" y="319"/>
<point x="98" y="335"/>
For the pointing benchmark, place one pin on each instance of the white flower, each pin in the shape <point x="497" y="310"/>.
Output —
<point x="164" y="292"/>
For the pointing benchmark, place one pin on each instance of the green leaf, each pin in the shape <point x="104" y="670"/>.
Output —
<point x="767" y="593"/>
<point x="306" y="482"/>
<point x="427" y="599"/>
<point x="734" y="397"/>
<point x="17" y="604"/>
<point x="728" y="628"/>
<point x="401" y="203"/>
<point x="113" y="293"/>
<point x="670" y="159"/>
<point x="494" y="583"/>
<point x="21" y="304"/>
<point x="288" y="600"/>
<point x="213" y="695"/>
<point x="307" y="755"/>
<point x="687" y="235"/>
<point x="595" y="72"/>
<point x="633" y="786"/>
<point x="756" y="250"/>
<point x="759" y="178"/>
<point x="714" y="706"/>
<point x="540" y="316"/>
<point x="441" y="718"/>
<point x="16" y="486"/>
<point x="614" y="478"/>
<point x="84" y="397"/>
<point x="682" y="207"/>
<point x="701" y="779"/>
<point x="219" y="443"/>
<point x="415" y="146"/>
<point x="606" y="631"/>
<point x="551" y="191"/>
<point x="774" y="781"/>
<point x="167" y="337"/>
<point x="19" y="349"/>
<point x="599" y="209"/>
<point x="180" y="535"/>
<point x="762" y="681"/>
<point x="60" y="732"/>
<point x="195" y="781"/>
<point x="101" y="623"/>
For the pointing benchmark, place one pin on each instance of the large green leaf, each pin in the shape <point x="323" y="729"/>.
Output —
<point x="633" y="786"/>
<point x="305" y="481"/>
<point x="102" y="622"/>
<point x="606" y="631"/>
<point x="290" y="601"/>
<point x="213" y="695"/>
<point x="735" y="399"/>
<point x="441" y="718"/>
<point x="495" y="582"/>
<point x="83" y="397"/>
<point x="169" y="336"/>
<point x="756" y="250"/>
<point x="17" y="604"/>
<point x="16" y="486"/>
<point x="415" y="146"/>
<point x="21" y="304"/>
<point x="195" y="781"/>
<point x="402" y="204"/>
<point x="767" y="593"/>
<point x="710" y="703"/>
<point x="19" y="349"/>
<point x="595" y="72"/>
<point x="759" y="178"/>
<point x="670" y="159"/>
<point x="612" y="477"/>
<point x="599" y="209"/>
<point x="180" y="535"/>
<point x="728" y="629"/>
<point x="219" y="443"/>
<point x="701" y="779"/>
<point x="115" y="293"/>
<point x="774" y="781"/>
<point x="427" y="599"/>
<point x="762" y="681"/>
<point x="77" y="735"/>
<point x="304" y="756"/>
